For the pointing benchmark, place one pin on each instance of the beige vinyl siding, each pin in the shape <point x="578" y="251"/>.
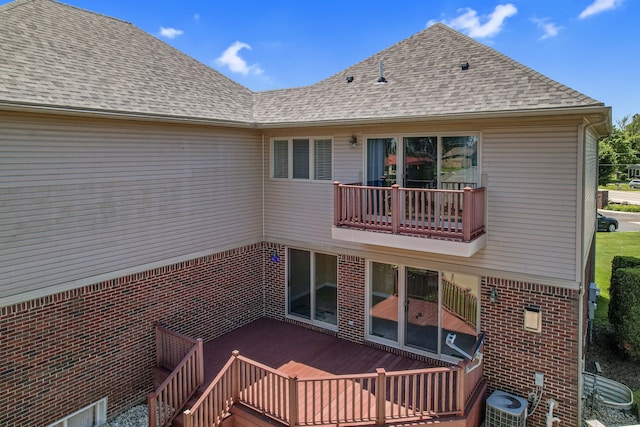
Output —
<point x="82" y="198"/>
<point x="531" y="177"/>
<point x="590" y="188"/>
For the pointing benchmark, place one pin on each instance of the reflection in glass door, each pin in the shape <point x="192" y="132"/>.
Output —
<point x="421" y="308"/>
<point x="383" y="301"/>
<point x="420" y="162"/>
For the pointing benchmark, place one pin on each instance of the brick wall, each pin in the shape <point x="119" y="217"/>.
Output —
<point x="275" y="273"/>
<point x="513" y="355"/>
<point x="62" y="352"/>
<point x="351" y="298"/>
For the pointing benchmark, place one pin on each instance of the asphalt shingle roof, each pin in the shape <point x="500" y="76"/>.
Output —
<point x="58" y="55"/>
<point x="424" y="79"/>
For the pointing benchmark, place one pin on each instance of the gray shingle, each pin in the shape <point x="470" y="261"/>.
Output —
<point x="424" y="79"/>
<point x="58" y="55"/>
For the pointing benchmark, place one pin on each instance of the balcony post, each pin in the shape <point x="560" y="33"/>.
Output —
<point x="200" y="361"/>
<point x="381" y="394"/>
<point x="462" y="371"/>
<point x="467" y="213"/>
<point x="337" y="208"/>
<point x="151" y="408"/>
<point x="395" y="208"/>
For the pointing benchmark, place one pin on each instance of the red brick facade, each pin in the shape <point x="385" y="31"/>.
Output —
<point x="65" y="351"/>
<point x="513" y="355"/>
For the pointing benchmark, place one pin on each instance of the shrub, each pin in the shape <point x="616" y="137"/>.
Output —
<point x="624" y="308"/>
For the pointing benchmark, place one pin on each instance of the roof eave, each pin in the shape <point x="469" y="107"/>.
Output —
<point x="598" y="116"/>
<point x="124" y="115"/>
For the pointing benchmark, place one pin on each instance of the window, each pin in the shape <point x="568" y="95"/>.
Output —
<point x="312" y="286"/>
<point x="302" y="158"/>
<point x="415" y="309"/>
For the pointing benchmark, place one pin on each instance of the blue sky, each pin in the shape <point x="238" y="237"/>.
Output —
<point x="589" y="45"/>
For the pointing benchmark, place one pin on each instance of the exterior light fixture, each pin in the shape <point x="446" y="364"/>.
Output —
<point x="353" y="141"/>
<point x="493" y="295"/>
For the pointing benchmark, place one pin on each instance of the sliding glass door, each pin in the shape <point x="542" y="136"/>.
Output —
<point x="423" y="161"/>
<point x="415" y="309"/>
<point x="312" y="286"/>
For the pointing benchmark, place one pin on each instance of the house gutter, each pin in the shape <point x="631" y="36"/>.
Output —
<point x="596" y="110"/>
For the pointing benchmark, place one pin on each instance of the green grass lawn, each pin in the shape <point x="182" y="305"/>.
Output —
<point x="609" y="245"/>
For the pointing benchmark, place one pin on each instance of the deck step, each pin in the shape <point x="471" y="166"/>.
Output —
<point x="179" y="419"/>
<point x="159" y="375"/>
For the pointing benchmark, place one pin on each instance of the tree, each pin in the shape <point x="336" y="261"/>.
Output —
<point x="620" y="149"/>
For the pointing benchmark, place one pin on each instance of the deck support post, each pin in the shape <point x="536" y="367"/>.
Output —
<point x="293" y="401"/>
<point x="235" y="376"/>
<point x="159" y="346"/>
<point x="381" y="393"/>
<point x="200" y="361"/>
<point x="461" y="387"/>
<point x="151" y="408"/>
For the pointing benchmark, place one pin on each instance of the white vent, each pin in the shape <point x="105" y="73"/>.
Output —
<point x="90" y="416"/>
<point x="505" y="410"/>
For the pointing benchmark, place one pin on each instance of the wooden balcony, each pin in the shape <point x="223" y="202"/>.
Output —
<point x="450" y="222"/>
<point x="288" y="375"/>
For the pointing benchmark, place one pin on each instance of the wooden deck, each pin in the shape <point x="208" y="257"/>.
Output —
<point x="298" y="351"/>
<point x="295" y="376"/>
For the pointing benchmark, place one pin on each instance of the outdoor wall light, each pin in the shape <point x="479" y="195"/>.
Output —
<point x="493" y="295"/>
<point x="353" y="141"/>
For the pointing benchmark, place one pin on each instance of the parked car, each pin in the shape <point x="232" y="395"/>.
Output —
<point x="606" y="223"/>
<point x="634" y="183"/>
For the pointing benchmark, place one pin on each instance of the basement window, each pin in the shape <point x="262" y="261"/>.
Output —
<point x="90" y="416"/>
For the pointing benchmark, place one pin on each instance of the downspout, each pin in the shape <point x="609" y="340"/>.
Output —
<point x="583" y="138"/>
<point x="264" y="257"/>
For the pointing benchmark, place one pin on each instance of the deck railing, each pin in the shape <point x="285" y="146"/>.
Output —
<point x="460" y="301"/>
<point x="451" y="214"/>
<point x="375" y="398"/>
<point x="184" y="356"/>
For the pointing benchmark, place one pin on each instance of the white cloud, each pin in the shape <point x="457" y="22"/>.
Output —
<point x="548" y="28"/>
<point x="231" y="58"/>
<point x="196" y="17"/>
<point x="599" y="6"/>
<point x="470" y="22"/>
<point x="170" y="33"/>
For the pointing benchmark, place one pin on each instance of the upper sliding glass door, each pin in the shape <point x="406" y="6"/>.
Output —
<point x="423" y="161"/>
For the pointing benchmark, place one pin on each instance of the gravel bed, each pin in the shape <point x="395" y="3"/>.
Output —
<point x="137" y="416"/>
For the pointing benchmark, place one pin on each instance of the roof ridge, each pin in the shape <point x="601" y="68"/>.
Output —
<point x="14" y="4"/>
<point x="528" y="70"/>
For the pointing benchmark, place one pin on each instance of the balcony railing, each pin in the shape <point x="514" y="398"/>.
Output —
<point x="448" y="214"/>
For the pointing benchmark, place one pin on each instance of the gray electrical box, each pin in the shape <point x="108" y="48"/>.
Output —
<point x="594" y="292"/>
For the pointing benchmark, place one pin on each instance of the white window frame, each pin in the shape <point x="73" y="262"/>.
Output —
<point x="312" y="287"/>
<point x="400" y="160"/>
<point x="312" y="158"/>
<point x="98" y="409"/>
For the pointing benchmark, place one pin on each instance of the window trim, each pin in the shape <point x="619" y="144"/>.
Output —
<point x="312" y="266"/>
<point x="290" y="158"/>
<point x="400" y="160"/>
